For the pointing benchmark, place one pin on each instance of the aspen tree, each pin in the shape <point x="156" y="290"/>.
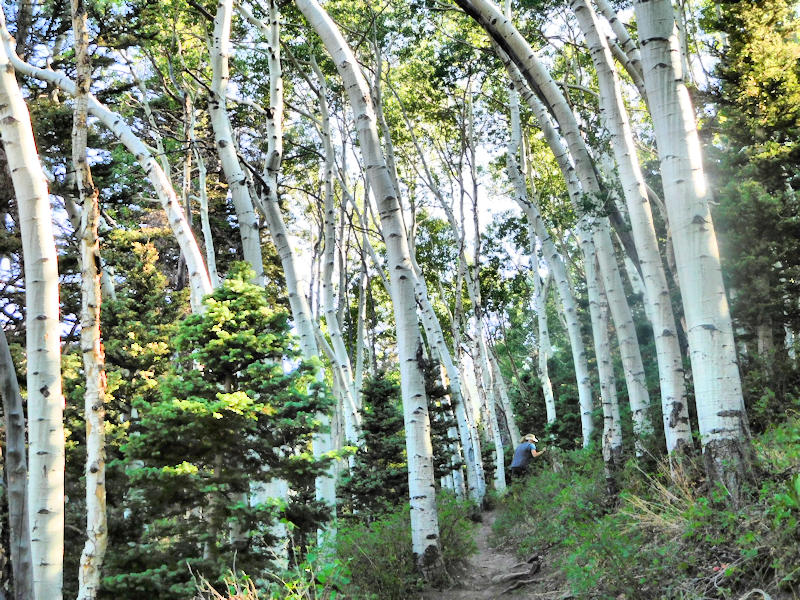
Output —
<point x="718" y="391"/>
<point x="45" y="398"/>
<point x="16" y="475"/>
<point x="657" y="297"/>
<point x="476" y="483"/>
<point x="91" y="341"/>
<point x="199" y="281"/>
<point x="511" y="45"/>
<point x="226" y="147"/>
<point x="424" y="518"/>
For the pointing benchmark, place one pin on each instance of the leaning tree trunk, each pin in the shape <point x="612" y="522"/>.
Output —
<point x="473" y="460"/>
<point x="91" y="344"/>
<point x="45" y="399"/>
<point x="530" y="207"/>
<point x="657" y="296"/>
<point x="424" y="518"/>
<point x="226" y="146"/>
<point x="718" y="390"/>
<point x="512" y="47"/>
<point x="16" y="472"/>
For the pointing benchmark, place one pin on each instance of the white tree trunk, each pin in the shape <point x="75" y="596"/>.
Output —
<point x="598" y="310"/>
<point x="540" y="291"/>
<point x="657" y="296"/>
<point x="489" y="404"/>
<point x="91" y="344"/>
<point x="530" y="206"/>
<point x="473" y="460"/>
<point x="341" y="360"/>
<point x="631" y="59"/>
<point x="510" y="44"/>
<point x="200" y="284"/>
<point x="501" y="391"/>
<point x="45" y="399"/>
<point x="307" y="327"/>
<point x="226" y="145"/>
<point x="424" y="518"/>
<point x="16" y="474"/>
<point x="718" y="391"/>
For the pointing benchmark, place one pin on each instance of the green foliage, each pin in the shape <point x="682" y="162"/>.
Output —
<point x="379" y="474"/>
<point x="668" y="536"/>
<point x="237" y="409"/>
<point x="379" y="553"/>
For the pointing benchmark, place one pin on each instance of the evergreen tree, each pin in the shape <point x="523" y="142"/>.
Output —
<point x="380" y="474"/>
<point x="237" y="409"/>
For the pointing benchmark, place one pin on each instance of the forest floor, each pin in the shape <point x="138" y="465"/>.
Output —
<point x="496" y="572"/>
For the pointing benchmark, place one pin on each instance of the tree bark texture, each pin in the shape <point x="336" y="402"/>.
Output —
<point x="91" y="344"/>
<point x="45" y="398"/>
<point x="16" y="474"/>
<point x="424" y="518"/>
<point x="718" y="391"/>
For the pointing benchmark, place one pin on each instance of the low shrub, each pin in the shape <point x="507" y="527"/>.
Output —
<point x="379" y="554"/>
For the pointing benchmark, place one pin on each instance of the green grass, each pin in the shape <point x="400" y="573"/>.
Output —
<point x="664" y="536"/>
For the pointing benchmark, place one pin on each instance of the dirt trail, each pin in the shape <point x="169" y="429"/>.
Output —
<point x="486" y="577"/>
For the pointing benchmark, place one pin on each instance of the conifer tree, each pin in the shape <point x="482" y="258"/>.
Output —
<point x="379" y="476"/>
<point x="237" y="410"/>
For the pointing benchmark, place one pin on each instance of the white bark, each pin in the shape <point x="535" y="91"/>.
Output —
<point x="226" y="145"/>
<point x="630" y="58"/>
<point x="308" y="329"/>
<point x="598" y="310"/>
<point x="540" y="291"/>
<point x="510" y="44"/>
<point x="489" y="405"/>
<point x="91" y="344"/>
<point x="16" y="474"/>
<point x="476" y="483"/>
<point x="657" y="296"/>
<point x="341" y="358"/>
<point x="200" y="284"/>
<point x="45" y="399"/>
<point x="530" y="206"/>
<point x="501" y="391"/>
<point x="718" y="391"/>
<point x="424" y="518"/>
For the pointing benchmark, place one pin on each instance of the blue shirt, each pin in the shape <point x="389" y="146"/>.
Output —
<point x="522" y="455"/>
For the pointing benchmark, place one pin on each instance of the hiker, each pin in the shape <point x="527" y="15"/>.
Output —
<point x="523" y="455"/>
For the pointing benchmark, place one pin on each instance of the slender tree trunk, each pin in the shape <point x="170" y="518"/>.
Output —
<point x="424" y="518"/>
<point x="91" y="344"/>
<point x="341" y="358"/>
<point x="598" y="310"/>
<point x="718" y="391"/>
<point x="670" y="362"/>
<point x="631" y="59"/>
<point x="511" y="45"/>
<point x="501" y="391"/>
<point x="540" y="290"/>
<point x="473" y="460"/>
<point x="226" y="145"/>
<point x="45" y="398"/>
<point x="16" y="472"/>
<point x="301" y="311"/>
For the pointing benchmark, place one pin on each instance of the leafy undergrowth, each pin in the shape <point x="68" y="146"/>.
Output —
<point x="664" y="536"/>
<point x="370" y="561"/>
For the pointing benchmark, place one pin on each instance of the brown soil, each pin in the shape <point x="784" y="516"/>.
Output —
<point x="485" y="576"/>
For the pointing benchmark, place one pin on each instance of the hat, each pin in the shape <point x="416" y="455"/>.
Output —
<point x="530" y="438"/>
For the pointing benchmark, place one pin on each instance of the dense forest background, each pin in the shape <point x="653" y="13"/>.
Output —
<point x="321" y="267"/>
